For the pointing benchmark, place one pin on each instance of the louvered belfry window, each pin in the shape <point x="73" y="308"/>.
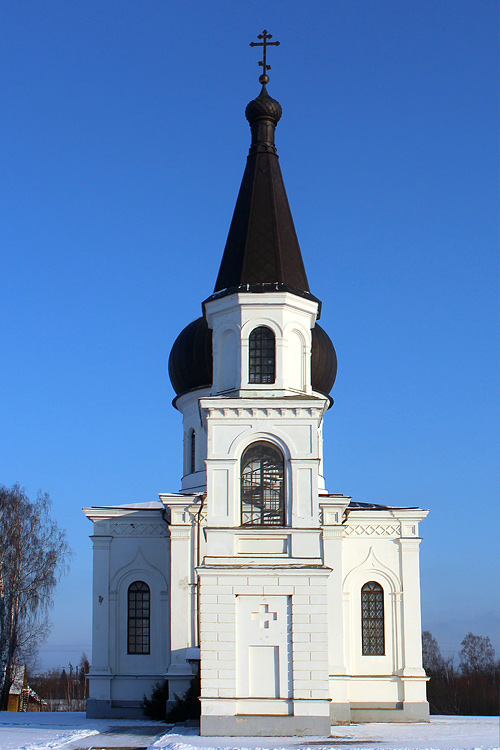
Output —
<point x="372" y="619"/>
<point x="262" y="486"/>
<point x="139" y="599"/>
<point x="262" y="356"/>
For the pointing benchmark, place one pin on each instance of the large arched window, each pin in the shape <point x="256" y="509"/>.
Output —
<point x="372" y="619"/>
<point x="139" y="599"/>
<point x="262" y="486"/>
<point x="261" y="356"/>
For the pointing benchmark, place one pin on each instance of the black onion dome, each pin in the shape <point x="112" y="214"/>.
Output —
<point x="190" y="361"/>
<point x="263" y="106"/>
<point x="323" y="361"/>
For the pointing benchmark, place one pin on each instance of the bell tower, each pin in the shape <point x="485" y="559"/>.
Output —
<point x="253" y="377"/>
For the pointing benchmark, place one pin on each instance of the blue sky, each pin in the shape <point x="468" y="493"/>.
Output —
<point x="123" y="146"/>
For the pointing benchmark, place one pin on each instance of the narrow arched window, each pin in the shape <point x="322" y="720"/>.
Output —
<point x="261" y="356"/>
<point x="192" y="451"/>
<point x="139" y="600"/>
<point x="372" y="619"/>
<point x="262" y="486"/>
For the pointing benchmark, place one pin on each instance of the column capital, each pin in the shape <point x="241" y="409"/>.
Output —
<point x="101" y="542"/>
<point x="410" y="544"/>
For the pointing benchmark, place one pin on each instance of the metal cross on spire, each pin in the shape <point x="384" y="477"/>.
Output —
<point x="264" y="78"/>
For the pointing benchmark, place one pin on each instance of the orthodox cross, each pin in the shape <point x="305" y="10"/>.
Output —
<point x="264" y="78"/>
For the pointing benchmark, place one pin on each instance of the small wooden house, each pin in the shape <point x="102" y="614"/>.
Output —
<point x="21" y="696"/>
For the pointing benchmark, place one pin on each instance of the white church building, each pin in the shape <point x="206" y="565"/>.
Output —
<point x="300" y="607"/>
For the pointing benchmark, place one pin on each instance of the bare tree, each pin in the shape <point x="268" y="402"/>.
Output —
<point x="471" y="690"/>
<point x="84" y="668"/>
<point x="33" y="554"/>
<point x="431" y="653"/>
<point x="477" y="655"/>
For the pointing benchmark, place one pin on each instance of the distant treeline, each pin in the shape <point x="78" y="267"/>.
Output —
<point x="471" y="689"/>
<point x="63" y="689"/>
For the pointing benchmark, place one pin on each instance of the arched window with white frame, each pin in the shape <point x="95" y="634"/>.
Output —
<point x="372" y="619"/>
<point x="261" y="356"/>
<point x="138" y="618"/>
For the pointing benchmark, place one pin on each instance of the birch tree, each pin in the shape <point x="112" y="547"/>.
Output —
<point x="33" y="555"/>
<point x="477" y="655"/>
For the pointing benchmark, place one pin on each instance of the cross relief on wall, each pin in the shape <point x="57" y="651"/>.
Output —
<point x="263" y="646"/>
<point x="264" y="616"/>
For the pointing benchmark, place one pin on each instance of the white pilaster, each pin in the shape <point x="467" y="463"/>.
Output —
<point x="185" y="537"/>
<point x="100" y="672"/>
<point x="412" y="628"/>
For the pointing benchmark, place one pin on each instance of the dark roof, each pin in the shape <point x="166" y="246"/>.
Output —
<point x="373" y="506"/>
<point x="262" y="254"/>
<point x="190" y="363"/>
<point x="323" y="361"/>
<point x="262" y="246"/>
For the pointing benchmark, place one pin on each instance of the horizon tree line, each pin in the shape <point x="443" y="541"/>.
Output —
<point x="63" y="689"/>
<point x="472" y="688"/>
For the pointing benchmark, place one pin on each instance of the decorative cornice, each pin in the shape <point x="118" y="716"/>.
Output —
<point x="262" y="411"/>
<point x="389" y="514"/>
<point x="103" y="513"/>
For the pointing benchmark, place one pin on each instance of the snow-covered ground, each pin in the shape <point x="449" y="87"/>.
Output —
<point x="64" y="729"/>
<point x="72" y="731"/>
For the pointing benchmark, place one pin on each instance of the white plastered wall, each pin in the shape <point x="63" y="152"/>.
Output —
<point x="234" y="424"/>
<point x="192" y="421"/>
<point x="375" y="548"/>
<point x="288" y="316"/>
<point x="130" y="544"/>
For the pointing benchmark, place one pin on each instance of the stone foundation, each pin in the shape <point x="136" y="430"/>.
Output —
<point x="407" y="712"/>
<point x="265" y="726"/>
<point x="102" y="709"/>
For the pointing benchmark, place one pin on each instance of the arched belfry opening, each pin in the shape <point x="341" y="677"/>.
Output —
<point x="262" y="485"/>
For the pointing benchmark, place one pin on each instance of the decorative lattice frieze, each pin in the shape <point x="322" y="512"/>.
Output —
<point x="138" y="529"/>
<point x="372" y="530"/>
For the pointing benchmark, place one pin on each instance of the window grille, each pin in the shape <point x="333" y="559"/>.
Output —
<point x="138" y="618"/>
<point x="192" y="452"/>
<point x="372" y="619"/>
<point x="262" y="356"/>
<point x="262" y="486"/>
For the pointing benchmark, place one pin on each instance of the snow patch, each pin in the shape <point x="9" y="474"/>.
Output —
<point x="54" y="743"/>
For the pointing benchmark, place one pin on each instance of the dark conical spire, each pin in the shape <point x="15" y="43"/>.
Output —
<point x="262" y="248"/>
